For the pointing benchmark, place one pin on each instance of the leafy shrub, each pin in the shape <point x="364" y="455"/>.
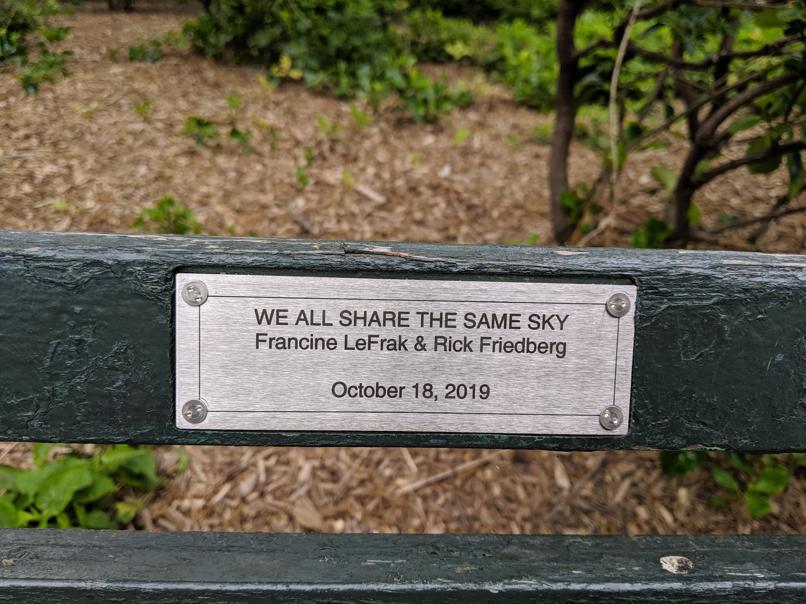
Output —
<point x="516" y="53"/>
<point x="168" y="216"/>
<point x="433" y="37"/>
<point x="346" y="47"/>
<point x="652" y="234"/>
<point x="752" y="479"/>
<point x="94" y="492"/>
<point x="203" y="131"/>
<point x="492" y="10"/>
<point x="19" y="19"/>
<point x="148" y="52"/>
<point x="48" y="68"/>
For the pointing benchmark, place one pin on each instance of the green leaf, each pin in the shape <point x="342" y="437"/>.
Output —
<point x="694" y="214"/>
<point x="677" y="463"/>
<point x="743" y="123"/>
<point x="101" y="487"/>
<point x="771" y="480"/>
<point x="140" y="472"/>
<point x="725" y="479"/>
<point x="56" y="492"/>
<point x="127" y="510"/>
<point x="738" y="461"/>
<point x="9" y="518"/>
<point x="94" y="519"/>
<point x="652" y="234"/>
<point x="113" y="458"/>
<point x="665" y="176"/>
<point x="758" y="505"/>
<point x="41" y="453"/>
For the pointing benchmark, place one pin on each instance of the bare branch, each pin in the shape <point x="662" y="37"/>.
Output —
<point x="615" y="129"/>
<point x="750" y="221"/>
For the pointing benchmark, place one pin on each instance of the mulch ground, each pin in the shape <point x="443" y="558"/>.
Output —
<point x="79" y="157"/>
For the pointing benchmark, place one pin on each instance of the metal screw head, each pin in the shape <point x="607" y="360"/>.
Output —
<point x="194" y="411"/>
<point x="611" y="417"/>
<point x="194" y="293"/>
<point x="618" y="305"/>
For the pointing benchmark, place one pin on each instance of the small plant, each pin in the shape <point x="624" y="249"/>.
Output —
<point x="752" y="479"/>
<point x="461" y="135"/>
<point x="268" y="130"/>
<point x="143" y="109"/>
<point x="168" y="216"/>
<point x="652" y="234"/>
<point x="243" y="138"/>
<point x="359" y="118"/>
<point x="49" y="68"/>
<point x="531" y="240"/>
<point x="233" y="106"/>
<point x="542" y="133"/>
<point x="148" y="52"/>
<point x="203" y="131"/>
<point x="301" y="170"/>
<point x="514" y="140"/>
<point x="327" y="127"/>
<point x="73" y="490"/>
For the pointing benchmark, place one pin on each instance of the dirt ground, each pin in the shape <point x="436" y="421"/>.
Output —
<point x="79" y="157"/>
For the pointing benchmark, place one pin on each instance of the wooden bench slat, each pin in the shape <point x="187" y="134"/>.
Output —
<point x="69" y="566"/>
<point x="86" y="333"/>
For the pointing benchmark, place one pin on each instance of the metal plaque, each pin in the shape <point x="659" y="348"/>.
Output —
<point x="260" y="352"/>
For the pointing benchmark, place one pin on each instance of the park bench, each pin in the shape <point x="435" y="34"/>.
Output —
<point x="90" y="327"/>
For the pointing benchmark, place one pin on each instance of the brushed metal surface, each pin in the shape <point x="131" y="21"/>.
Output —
<point x="248" y="386"/>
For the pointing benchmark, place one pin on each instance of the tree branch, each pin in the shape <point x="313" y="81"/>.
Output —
<point x="750" y="221"/>
<point x="709" y="126"/>
<point x="769" y="153"/>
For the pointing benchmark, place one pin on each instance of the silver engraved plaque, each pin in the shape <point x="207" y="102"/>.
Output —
<point x="260" y="352"/>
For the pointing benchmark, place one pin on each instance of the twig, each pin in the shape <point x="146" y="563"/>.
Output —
<point x="766" y="218"/>
<point x="469" y="465"/>
<point x="612" y="106"/>
<point x="8" y="450"/>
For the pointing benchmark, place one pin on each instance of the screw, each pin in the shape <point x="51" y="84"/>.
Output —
<point x="194" y="411"/>
<point x="194" y="293"/>
<point x="611" y="417"/>
<point x="618" y="305"/>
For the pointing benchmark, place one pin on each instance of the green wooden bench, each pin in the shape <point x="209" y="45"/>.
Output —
<point x="87" y="337"/>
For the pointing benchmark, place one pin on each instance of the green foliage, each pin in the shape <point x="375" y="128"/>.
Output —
<point x="203" y="131"/>
<point x="652" y="234"/>
<point x="147" y="52"/>
<point x="752" y="479"/>
<point x="93" y="492"/>
<point x="18" y="20"/>
<point x="346" y="47"/>
<point x="243" y="138"/>
<point x="301" y="170"/>
<point x="677" y="463"/>
<point x="517" y="53"/>
<point x="664" y="176"/>
<point x="48" y="68"/>
<point x="168" y="216"/>
<point x="143" y="108"/>
<point x="573" y="200"/>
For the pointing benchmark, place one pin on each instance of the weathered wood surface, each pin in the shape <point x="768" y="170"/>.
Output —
<point x="86" y="333"/>
<point x="75" y="566"/>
